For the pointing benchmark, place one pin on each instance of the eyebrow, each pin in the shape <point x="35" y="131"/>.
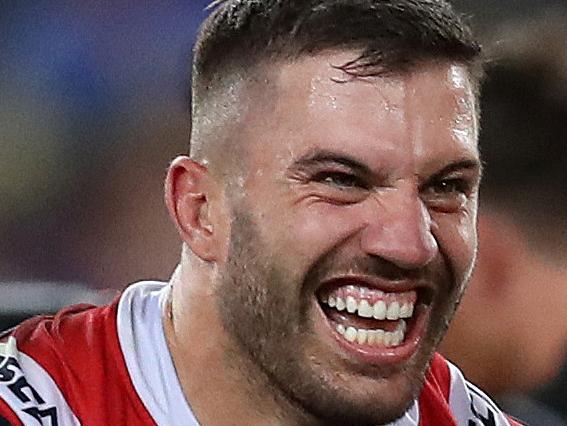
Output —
<point x="465" y="164"/>
<point x="324" y="156"/>
<point x="321" y="156"/>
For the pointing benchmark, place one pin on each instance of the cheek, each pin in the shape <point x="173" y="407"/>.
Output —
<point x="456" y="235"/>
<point x="317" y="228"/>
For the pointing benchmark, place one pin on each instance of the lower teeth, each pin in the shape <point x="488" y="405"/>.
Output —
<point x="377" y="337"/>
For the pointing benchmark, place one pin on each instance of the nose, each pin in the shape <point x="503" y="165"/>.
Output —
<point x="400" y="231"/>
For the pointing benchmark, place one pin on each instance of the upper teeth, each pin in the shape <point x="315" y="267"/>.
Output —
<point x="382" y="309"/>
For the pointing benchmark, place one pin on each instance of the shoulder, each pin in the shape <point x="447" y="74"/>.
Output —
<point x="67" y="368"/>
<point x="466" y="404"/>
<point x="35" y="364"/>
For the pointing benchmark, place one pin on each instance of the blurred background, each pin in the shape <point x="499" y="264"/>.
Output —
<point x="93" y="105"/>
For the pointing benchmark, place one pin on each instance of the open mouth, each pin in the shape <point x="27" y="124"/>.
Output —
<point x="375" y="323"/>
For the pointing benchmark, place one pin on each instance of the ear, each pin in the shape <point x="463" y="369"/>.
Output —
<point x="188" y="192"/>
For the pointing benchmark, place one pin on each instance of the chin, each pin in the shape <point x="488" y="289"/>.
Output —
<point x="381" y="405"/>
<point x="347" y="395"/>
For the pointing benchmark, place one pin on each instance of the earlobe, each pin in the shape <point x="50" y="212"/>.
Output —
<point x="187" y="196"/>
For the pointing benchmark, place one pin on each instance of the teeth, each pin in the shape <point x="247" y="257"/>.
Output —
<point x="393" y="312"/>
<point x="380" y="310"/>
<point x="365" y="310"/>
<point x="388" y="338"/>
<point x="351" y="334"/>
<point x="371" y="337"/>
<point x="406" y="311"/>
<point x="399" y="337"/>
<point x="351" y="305"/>
<point x="376" y="337"/>
<point x="361" y="336"/>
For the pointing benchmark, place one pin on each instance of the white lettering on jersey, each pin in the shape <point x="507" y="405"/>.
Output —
<point x="33" y="396"/>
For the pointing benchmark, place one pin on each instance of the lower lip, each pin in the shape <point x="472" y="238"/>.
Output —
<point x="375" y="355"/>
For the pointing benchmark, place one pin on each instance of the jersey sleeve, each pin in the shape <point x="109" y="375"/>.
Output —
<point x="68" y="370"/>
<point x="28" y="395"/>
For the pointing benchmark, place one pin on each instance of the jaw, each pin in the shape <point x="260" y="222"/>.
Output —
<point x="381" y="379"/>
<point x="358" y="391"/>
<point x="297" y="354"/>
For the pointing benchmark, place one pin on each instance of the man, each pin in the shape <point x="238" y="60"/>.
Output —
<point x="328" y="214"/>
<point x="510" y="334"/>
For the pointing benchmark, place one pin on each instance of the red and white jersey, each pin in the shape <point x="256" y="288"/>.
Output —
<point x="110" y="365"/>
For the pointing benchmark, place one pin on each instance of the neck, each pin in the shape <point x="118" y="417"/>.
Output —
<point x="219" y="382"/>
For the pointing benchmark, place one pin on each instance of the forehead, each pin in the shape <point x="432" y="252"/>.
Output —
<point x="416" y="118"/>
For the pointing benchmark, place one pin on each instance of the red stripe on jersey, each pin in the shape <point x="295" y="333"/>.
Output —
<point x="79" y="349"/>
<point x="434" y="407"/>
<point x="6" y="414"/>
<point x="440" y="370"/>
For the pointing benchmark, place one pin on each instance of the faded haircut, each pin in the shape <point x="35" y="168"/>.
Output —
<point x="392" y="36"/>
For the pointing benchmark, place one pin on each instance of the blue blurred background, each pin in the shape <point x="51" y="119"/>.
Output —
<point x="93" y="104"/>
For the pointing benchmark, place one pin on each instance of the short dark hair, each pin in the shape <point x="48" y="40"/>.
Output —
<point x="524" y="132"/>
<point x="391" y="36"/>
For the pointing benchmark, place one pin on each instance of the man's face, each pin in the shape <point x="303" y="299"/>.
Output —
<point x="352" y="233"/>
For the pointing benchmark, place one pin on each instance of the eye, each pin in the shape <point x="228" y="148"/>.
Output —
<point x="340" y="180"/>
<point x="451" y="186"/>
<point x="447" y="195"/>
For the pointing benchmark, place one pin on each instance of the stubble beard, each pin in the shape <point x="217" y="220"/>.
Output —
<point x="265" y="310"/>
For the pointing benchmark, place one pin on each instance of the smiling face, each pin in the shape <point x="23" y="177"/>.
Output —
<point x="352" y="233"/>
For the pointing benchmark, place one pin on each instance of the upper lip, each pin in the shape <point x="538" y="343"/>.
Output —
<point x="374" y="282"/>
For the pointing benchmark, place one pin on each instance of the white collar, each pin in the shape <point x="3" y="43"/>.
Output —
<point x="142" y="339"/>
